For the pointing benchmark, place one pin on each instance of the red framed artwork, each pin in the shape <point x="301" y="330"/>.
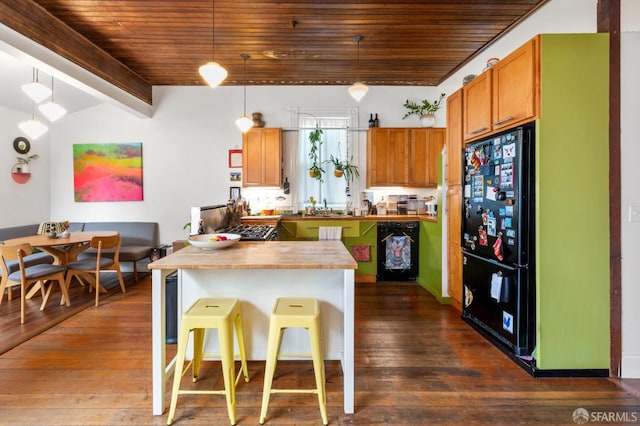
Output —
<point x="235" y="158"/>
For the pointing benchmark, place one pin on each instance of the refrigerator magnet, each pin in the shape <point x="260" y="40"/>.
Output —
<point x="491" y="226"/>
<point x="482" y="238"/>
<point x="509" y="151"/>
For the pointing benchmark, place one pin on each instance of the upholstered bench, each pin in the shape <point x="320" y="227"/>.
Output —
<point x="138" y="239"/>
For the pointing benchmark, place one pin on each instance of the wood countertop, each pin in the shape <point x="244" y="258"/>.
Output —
<point x="369" y="218"/>
<point x="262" y="255"/>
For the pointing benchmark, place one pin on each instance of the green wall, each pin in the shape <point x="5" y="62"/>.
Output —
<point x="572" y="211"/>
<point x="430" y="264"/>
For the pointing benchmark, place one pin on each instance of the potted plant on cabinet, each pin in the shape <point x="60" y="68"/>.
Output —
<point x="424" y="109"/>
<point x="316" y="170"/>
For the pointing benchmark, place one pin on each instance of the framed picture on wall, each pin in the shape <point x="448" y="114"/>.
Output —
<point x="234" y="193"/>
<point x="235" y="176"/>
<point x="235" y="158"/>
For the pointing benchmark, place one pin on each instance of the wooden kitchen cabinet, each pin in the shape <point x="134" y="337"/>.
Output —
<point x="425" y="146"/>
<point x="515" y="91"/>
<point x="454" y="250"/>
<point x="404" y="156"/>
<point x="262" y="157"/>
<point x="453" y="177"/>
<point x="476" y="101"/>
<point x="388" y="157"/>
<point x="453" y="171"/>
<point x="504" y="96"/>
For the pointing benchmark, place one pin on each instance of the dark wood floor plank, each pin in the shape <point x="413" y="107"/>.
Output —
<point x="416" y="363"/>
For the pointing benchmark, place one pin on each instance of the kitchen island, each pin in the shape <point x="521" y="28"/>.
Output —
<point x="257" y="273"/>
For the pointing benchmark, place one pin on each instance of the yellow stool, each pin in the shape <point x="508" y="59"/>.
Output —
<point x="290" y="312"/>
<point x="220" y="313"/>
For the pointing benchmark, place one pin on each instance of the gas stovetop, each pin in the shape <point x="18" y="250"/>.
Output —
<point x="253" y="232"/>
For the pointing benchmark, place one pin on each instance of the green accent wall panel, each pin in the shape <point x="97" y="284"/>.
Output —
<point x="430" y="262"/>
<point x="572" y="211"/>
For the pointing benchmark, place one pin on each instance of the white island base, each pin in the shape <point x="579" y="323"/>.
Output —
<point x="257" y="285"/>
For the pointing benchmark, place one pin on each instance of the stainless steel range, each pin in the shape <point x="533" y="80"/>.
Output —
<point x="216" y="218"/>
<point x="253" y="232"/>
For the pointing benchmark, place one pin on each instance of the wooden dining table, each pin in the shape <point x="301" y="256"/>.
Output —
<point x="63" y="250"/>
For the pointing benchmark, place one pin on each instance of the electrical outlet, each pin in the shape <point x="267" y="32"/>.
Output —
<point x="634" y="213"/>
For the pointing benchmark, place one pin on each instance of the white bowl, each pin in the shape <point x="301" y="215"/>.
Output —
<point x="203" y="241"/>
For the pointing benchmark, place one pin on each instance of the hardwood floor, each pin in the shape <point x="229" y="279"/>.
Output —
<point x="416" y="363"/>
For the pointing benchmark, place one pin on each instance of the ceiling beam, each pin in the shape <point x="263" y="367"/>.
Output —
<point x="35" y="23"/>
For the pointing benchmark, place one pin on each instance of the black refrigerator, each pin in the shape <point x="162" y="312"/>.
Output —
<point x="498" y="238"/>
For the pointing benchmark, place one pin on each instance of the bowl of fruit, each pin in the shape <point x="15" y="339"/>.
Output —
<point x="213" y="241"/>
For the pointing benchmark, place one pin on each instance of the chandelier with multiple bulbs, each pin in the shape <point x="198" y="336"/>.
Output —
<point x="38" y="92"/>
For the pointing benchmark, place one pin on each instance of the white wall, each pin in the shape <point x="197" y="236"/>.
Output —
<point x="22" y="204"/>
<point x="184" y="145"/>
<point x="629" y="153"/>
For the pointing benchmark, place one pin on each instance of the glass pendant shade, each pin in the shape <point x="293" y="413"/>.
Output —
<point x="213" y="73"/>
<point x="37" y="91"/>
<point x="33" y="128"/>
<point x="244" y="123"/>
<point x="52" y="110"/>
<point x="358" y="90"/>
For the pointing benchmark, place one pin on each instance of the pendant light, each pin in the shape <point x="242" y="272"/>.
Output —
<point x="212" y="72"/>
<point x="358" y="90"/>
<point x="51" y="109"/>
<point x="37" y="91"/>
<point x="32" y="127"/>
<point x="244" y="123"/>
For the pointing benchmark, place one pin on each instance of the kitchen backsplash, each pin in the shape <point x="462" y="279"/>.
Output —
<point x="275" y="199"/>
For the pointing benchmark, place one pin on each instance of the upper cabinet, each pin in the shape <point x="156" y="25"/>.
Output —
<point x="387" y="157"/>
<point x="453" y="172"/>
<point x="505" y="95"/>
<point x="262" y="157"/>
<point x="403" y="156"/>
<point x="476" y="101"/>
<point x="516" y="82"/>
<point x="425" y="146"/>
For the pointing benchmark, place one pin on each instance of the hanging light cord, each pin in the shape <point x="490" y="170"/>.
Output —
<point x="357" y="39"/>
<point x="213" y="30"/>
<point x="245" y="57"/>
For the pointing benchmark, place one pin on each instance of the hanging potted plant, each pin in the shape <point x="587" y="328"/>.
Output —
<point x="338" y="170"/>
<point x="23" y="163"/>
<point x="316" y="170"/>
<point x="343" y="168"/>
<point x="425" y="110"/>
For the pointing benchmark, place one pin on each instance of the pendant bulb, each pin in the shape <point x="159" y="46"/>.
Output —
<point x="212" y="72"/>
<point x="244" y="123"/>
<point x="358" y="89"/>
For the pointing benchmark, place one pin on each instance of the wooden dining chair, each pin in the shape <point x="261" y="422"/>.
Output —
<point x="26" y="276"/>
<point x="88" y="269"/>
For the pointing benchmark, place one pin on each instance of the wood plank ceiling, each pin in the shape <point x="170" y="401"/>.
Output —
<point x="297" y="42"/>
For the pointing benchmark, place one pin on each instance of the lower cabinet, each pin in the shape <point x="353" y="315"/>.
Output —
<point x="359" y="237"/>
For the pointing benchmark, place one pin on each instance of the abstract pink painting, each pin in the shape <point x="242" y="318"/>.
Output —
<point x="107" y="172"/>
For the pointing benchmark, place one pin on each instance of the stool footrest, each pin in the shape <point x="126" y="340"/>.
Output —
<point x="202" y="392"/>
<point x="309" y="356"/>
<point x="314" y="391"/>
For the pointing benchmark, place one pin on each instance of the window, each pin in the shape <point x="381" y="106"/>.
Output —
<point x="337" y="141"/>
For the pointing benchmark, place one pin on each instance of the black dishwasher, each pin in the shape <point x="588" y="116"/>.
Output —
<point x="398" y="251"/>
